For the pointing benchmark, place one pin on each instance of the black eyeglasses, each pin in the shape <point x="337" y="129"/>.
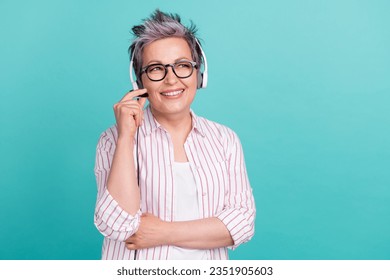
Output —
<point x="157" y="72"/>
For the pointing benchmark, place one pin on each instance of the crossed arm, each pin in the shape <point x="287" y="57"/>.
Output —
<point x="205" y="233"/>
<point x="197" y="234"/>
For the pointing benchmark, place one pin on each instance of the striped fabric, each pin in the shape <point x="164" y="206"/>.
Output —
<point x="217" y="163"/>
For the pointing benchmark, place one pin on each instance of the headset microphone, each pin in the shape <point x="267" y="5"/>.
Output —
<point x="144" y="95"/>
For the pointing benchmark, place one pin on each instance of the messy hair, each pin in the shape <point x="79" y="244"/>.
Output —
<point x="159" y="26"/>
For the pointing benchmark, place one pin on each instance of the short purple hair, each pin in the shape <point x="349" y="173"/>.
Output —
<point x="159" y="26"/>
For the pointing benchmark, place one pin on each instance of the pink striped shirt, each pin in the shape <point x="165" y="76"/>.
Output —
<point x="217" y="163"/>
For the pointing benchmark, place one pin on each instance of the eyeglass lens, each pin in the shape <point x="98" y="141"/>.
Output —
<point x="157" y="72"/>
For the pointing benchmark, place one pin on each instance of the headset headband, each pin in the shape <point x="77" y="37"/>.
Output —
<point x="133" y="83"/>
<point x="205" y="72"/>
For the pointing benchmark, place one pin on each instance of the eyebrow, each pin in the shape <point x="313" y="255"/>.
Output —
<point x="159" y="62"/>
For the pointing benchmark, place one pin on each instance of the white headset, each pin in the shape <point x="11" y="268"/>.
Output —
<point x="202" y="78"/>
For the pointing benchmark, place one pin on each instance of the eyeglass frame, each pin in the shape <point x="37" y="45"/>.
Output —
<point x="172" y="65"/>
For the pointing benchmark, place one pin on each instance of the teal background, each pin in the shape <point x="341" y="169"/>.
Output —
<point x="305" y="84"/>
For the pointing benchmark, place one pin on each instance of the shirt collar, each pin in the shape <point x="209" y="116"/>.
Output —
<point x="150" y="124"/>
<point x="197" y="123"/>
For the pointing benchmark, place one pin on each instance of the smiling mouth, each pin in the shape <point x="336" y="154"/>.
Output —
<point x="172" y="93"/>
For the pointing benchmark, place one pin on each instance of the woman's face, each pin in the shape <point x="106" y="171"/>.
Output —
<point x="172" y="95"/>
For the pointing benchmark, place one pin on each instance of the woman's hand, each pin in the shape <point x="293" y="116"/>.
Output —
<point x="129" y="113"/>
<point x="150" y="233"/>
<point x="207" y="233"/>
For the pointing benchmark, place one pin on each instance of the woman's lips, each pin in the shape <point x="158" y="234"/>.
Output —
<point x="172" y="92"/>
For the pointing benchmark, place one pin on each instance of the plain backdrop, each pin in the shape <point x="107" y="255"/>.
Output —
<point x="305" y="84"/>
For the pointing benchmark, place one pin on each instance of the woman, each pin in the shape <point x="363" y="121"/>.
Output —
<point x="171" y="184"/>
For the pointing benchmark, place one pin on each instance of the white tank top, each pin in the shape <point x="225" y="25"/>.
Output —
<point x="186" y="208"/>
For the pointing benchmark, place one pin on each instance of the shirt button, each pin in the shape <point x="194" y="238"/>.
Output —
<point x="204" y="194"/>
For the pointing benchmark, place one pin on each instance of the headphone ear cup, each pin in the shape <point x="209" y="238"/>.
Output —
<point x="200" y="80"/>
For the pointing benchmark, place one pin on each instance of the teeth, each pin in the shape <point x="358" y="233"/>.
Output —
<point x="172" y="93"/>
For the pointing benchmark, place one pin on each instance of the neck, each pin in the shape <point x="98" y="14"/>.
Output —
<point x="180" y="123"/>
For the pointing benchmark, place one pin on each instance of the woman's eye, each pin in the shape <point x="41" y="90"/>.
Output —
<point x="183" y="65"/>
<point x="156" y="68"/>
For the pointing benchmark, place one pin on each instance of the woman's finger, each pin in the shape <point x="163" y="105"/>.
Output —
<point x="142" y="102"/>
<point x="135" y="111"/>
<point x="131" y="246"/>
<point x="131" y="94"/>
<point x="126" y="110"/>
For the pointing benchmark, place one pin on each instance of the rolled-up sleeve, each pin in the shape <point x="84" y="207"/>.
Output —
<point x="110" y="219"/>
<point x="239" y="210"/>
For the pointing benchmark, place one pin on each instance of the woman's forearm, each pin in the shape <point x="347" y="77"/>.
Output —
<point x="122" y="180"/>
<point x="205" y="233"/>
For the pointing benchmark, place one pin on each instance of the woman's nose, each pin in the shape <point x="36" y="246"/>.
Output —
<point x="171" y="77"/>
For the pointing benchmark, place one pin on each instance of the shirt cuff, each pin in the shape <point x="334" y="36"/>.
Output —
<point x="237" y="225"/>
<point x="114" y="217"/>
